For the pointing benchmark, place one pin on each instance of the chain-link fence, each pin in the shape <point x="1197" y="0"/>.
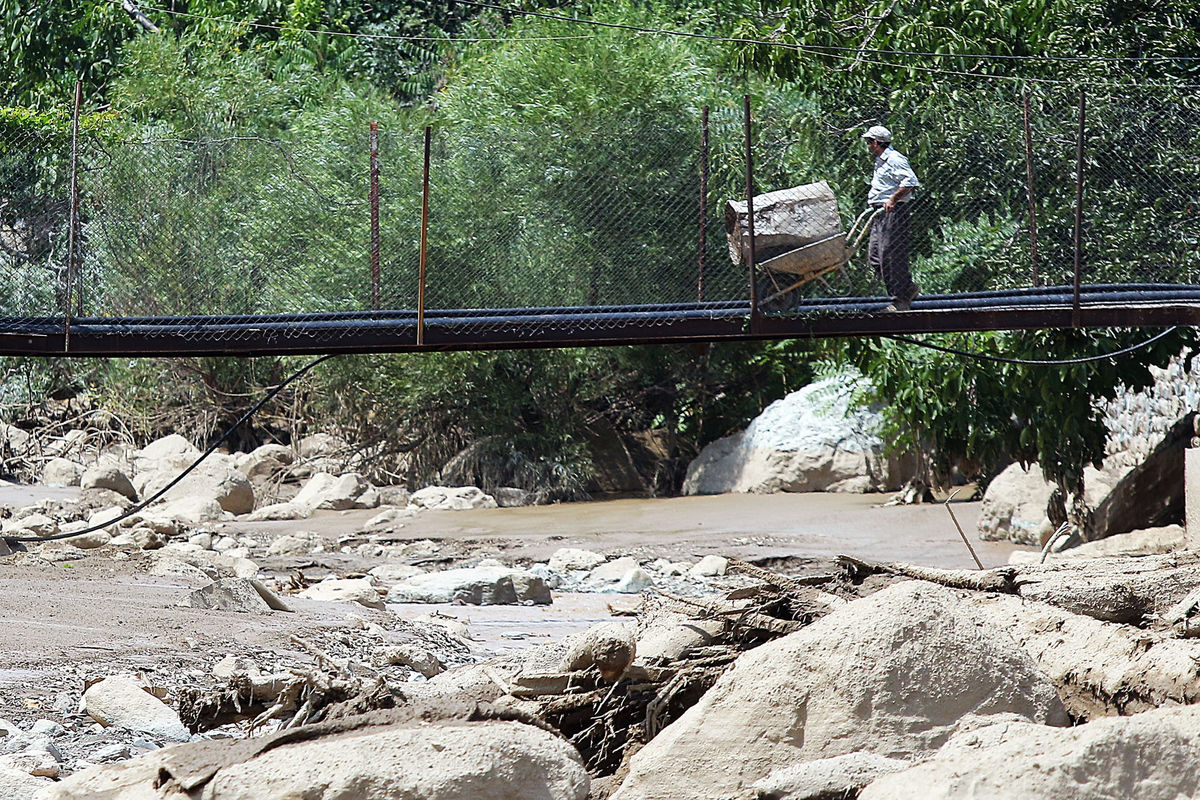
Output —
<point x="629" y="218"/>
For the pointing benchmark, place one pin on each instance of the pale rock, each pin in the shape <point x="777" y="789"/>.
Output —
<point x="635" y="581"/>
<point x="413" y="656"/>
<point x="840" y="776"/>
<point x="1148" y="756"/>
<point x="47" y="727"/>
<point x="325" y="491"/>
<point x="105" y="516"/>
<point x="710" y="567"/>
<point x="875" y="675"/>
<point x="322" y="445"/>
<point x="388" y="519"/>
<point x="394" y="572"/>
<point x="147" y="539"/>
<point x="164" y="525"/>
<point x="277" y="512"/>
<point x="108" y="476"/>
<point x="393" y="496"/>
<point x="611" y="571"/>
<point x="265" y="462"/>
<point x="473" y="586"/>
<point x="34" y="524"/>
<point x="230" y="489"/>
<point x="193" y="510"/>
<point x="16" y="784"/>
<point x="569" y="559"/>
<point x="609" y="647"/>
<point x="1014" y="506"/>
<point x="203" y="540"/>
<point x="292" y="545"/>
<point x="242" y="595"/>
<point x="224" y="543"/>
<point x="61" y="472"/>
<point x="669" y="636"/>
<point x="450" y="498"/>
<point x="344" y="590"/>
<point x="85" y="541"/>
<point x="450" y="760"/>
<point x="173" y="567"/>
<point x="815" y="439"/>
<point x="38" y="763"/>
<point x="170" y="452"/>
<point x="118" y="700"/>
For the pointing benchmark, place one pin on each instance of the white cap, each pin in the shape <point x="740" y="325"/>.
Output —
<point x="878" y="133"/>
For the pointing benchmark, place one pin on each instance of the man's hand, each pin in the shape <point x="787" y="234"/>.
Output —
<point x="890" y="205"/>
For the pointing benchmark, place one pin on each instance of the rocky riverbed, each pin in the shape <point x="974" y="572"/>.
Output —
<point x="361" y="642"/>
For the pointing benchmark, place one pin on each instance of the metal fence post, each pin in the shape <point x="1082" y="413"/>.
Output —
<point x="750" y="217"/>
<point x="73" y="217"/>
<point x="424" y="241"/>
<point x="376" y="289"/>
<point x="703" y="201"/>
<point x="1075" y="309"/>
<point x="1029" y="190"/>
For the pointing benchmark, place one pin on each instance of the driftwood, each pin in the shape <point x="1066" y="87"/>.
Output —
<point x="1135" y="591"/>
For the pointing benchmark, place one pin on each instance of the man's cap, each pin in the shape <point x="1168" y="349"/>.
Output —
<point x="878" y="133"/>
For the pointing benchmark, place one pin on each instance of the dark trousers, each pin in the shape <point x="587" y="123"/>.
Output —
<point x="887" y="252"/>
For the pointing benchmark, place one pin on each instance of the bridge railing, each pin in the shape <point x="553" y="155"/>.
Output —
<point x="622" y="210"/>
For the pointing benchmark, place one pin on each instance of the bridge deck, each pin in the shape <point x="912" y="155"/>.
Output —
<point x="472" y="329"/>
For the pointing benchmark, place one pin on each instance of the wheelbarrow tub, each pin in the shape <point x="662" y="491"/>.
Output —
<point x="812" y="260"/>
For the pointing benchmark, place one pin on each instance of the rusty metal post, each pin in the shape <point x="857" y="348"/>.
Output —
<point x="1079" y="206"/>
<point x="1030" y="192"/>
<point x="750" y="217"/>
<point x="73" y="218"/>
<point x="424" y="241"/>
<point x="376" y="288"/>
<point x="703" y="201"/>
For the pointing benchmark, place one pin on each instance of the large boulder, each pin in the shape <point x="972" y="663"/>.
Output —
<point x="446" y="760"/>
<point x="479" y="586"/>
<point x="1148" y="756"/>
<point x="108" y="476"/>
<point x="450" y="498"/>
<point x="816" y="439"/>
<point x="336" y="492"/>
<point x="215" y="481"/>
<point x="892" y="674"/>
<point x="121" y="701"/>
<point x="61" y="472"/>
<point x="1014" y="506"/>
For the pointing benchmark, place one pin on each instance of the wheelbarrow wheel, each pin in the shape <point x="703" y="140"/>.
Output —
<point x="771" y="300"/>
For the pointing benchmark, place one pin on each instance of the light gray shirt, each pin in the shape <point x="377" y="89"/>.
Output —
<point x="891" y="172"/>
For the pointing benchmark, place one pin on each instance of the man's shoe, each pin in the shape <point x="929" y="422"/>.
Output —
<point x="899" y="305"/>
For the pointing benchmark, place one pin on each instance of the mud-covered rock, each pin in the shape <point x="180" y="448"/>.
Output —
<point x="891" y="674"/>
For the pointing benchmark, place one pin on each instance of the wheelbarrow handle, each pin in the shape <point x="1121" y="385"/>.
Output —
<point x="856" y="236"/>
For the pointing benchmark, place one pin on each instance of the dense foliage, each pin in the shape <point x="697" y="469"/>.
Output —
<point x="238" y="128"/>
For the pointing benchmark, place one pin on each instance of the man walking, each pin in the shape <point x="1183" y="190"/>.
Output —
<point x="892" y="185"/>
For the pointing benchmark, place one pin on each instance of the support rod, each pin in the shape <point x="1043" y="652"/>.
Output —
<point x="1079" y="205"/>
<point x="754" y="313"/>
<point x="703" y="201"/>
<point x="424" y="240"/>
<point x="73" y="217"/>
<point x="376" y="288"/>
<point x="1030" y="192"/>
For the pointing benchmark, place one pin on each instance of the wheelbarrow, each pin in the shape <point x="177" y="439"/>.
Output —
<point x="798" y="239"/>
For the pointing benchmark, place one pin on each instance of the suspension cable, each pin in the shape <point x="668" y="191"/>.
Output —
<point x="1032" y="362"/>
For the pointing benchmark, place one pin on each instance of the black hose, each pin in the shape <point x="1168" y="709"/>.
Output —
<point x="212" y="449"/>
